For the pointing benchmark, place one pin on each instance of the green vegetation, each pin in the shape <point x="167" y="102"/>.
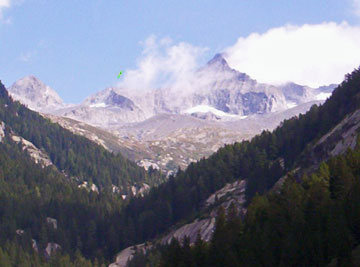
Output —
<point x="259" y="161"/>
<point x="73" y="154"/>
<point x="29" y="193"/>
<point x="308" y="223"/>
<point x="13" y="254"/>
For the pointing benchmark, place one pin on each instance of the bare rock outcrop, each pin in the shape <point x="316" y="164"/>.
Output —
<point x="52" y="222"/>
<point x="230" y="193"/>
<point x="50" y="249"/>
<point x="339" y="139"/>
<point x="35" y="153"/>
<point x="2" y="130"/>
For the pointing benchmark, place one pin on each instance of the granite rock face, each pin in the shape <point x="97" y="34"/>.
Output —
<point x="228" y="94"/>
<point x="232" y="193"/>
<point x="35" y="94"/>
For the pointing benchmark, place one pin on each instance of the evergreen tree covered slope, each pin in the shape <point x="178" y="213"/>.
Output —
<point x="312" y="223"/>
<point x="261" y="162"/>
<point x="75" y="155"/>
<point x="30" y="194"/>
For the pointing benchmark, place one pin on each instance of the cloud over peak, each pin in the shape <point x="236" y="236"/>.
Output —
<point x="313" y="55"/>
<point x="163" y="64"/>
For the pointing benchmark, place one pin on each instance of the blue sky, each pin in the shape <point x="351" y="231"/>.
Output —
<point x="79" y="47"/>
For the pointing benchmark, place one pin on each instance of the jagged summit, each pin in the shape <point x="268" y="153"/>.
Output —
<point x="215" y="88"/>
<point x="109" y="97"/>
<point x="35" y="94"/>
<point x="219" y="65"/>
<point x="31" y="84"/>
<point x="218" y="59"/>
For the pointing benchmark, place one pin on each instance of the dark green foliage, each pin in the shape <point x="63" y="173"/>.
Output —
<point x="13" y="254"/>
<point x="298" y="227"/>
<point x="259" y="161"/>
<point x="303" y="225"/>
<point x="76" y="155"/>
<point x="29" y="193"/>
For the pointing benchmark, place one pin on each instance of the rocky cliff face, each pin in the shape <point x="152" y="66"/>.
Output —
<point x="171" y="127"/>
<point x="215" y="85"/>
<point x="36" y="95"/>
<point x="216" y="88"/>
<point x="167" y="141"/>
<point x="342" y="137"/>
<point x="232" y="193"/>
<point x="105" y="109"/>
<point x="338" y="140"/>
<point x="2" y="130"/>
<point x="296" y="94"/>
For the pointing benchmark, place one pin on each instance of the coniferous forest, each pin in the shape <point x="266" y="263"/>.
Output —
<point x="313" y="221"/>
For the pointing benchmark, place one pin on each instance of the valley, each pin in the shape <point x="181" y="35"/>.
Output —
<point x="179" y="133"/>
<point x="193" y="205"/>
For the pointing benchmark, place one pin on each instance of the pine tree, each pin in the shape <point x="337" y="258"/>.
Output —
<point x="341" y="178"/>
<point x="200" y="252"/>
<point x="219" y="247"/>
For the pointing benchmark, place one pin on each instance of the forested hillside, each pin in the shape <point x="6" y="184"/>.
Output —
<point x="30" y="194"/>
<point x="73" y="154"/>
<point x="261" y="161"/>
<point x="312" y="221"/>
<point x="42" y="205"/>
<point x="99" y="225"/>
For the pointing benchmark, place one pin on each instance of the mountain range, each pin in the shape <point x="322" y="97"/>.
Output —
<point x="217" y="106"/>
<point x="287" y="197"/>
<point x="215" y="88"/>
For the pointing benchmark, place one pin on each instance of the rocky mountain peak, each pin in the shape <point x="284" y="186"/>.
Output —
<point x="217" y="92"/>
<point x="118" y="100"/>
<point x="109" y="97"/>
<point x="218" y="60"/>
<point x="29" y="84"/>
<point x="35" y="94"/>
<point x="219" y="65"/>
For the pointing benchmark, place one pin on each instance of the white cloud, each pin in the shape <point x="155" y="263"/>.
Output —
<point x="4" y="4"/>
<point x="309" y="54"/>
<point x="163" y="64"/>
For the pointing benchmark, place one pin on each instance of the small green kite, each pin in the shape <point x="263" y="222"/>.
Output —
<point x="119" y="74"/>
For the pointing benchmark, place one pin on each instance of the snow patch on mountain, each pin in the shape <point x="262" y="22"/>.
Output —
<point x="322" y="96"/>
<point x="98" y="105"/>
<point x="206" y="108"/>
<point x="105" y="109"/>
<point x="215" y="92"/>
<point x="291" y="104"/>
